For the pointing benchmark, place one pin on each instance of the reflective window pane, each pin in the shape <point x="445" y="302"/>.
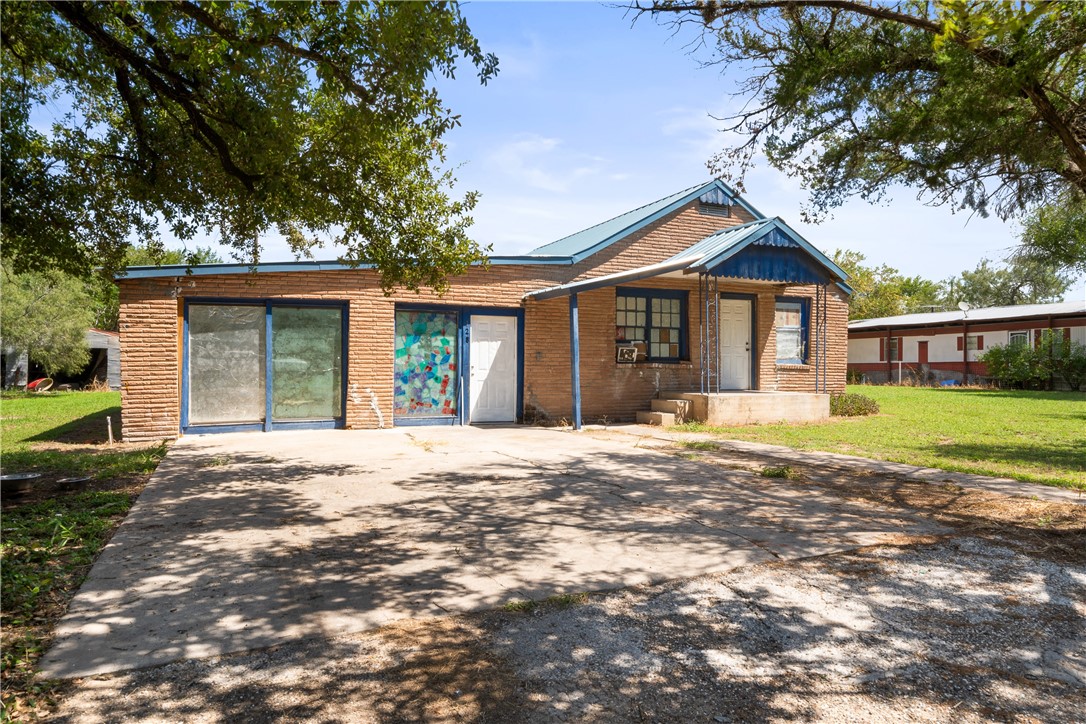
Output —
<point x="226" y="364"/>
<point x="307" y="354"/>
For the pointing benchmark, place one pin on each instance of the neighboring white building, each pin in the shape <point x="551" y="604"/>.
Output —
<point x="940" y="346"/>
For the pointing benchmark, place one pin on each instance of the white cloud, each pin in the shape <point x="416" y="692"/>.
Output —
<point x="540" y="162"/>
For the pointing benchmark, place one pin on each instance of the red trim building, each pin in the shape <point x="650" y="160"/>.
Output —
<point x="940" y="346"/>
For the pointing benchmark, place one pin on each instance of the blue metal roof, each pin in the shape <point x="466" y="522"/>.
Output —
<point x="762" y="250"/>
<point x="717" y="254"/>
<point x="180" y="270"/>
<point x="589" y="241"/>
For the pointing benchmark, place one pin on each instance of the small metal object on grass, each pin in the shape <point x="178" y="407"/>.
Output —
<point x="17" y="483"/>
<point x="74" y="483"/>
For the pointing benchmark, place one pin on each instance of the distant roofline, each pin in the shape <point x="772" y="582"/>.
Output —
<point x="980" y="315"/>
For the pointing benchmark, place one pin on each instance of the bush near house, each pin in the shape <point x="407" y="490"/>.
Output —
<point x="1022" y="366"/>
<point x="852" y="404"/>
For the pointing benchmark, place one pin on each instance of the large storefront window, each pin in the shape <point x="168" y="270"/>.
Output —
<point x="226" y="364"/>
<point x="232" y="380"/>
<point x="307" y="354"/>
<point x="426" y="364"/>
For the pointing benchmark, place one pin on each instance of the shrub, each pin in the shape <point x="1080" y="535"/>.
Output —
<point x="1034" y="366"/>
<point x="1070" y="364"/>
<point x="852" y="405"/>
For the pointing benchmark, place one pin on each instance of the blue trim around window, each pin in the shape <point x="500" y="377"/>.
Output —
<point x="463" y="340"/>
<point x="804" y="328"/>
<point x="268" y="423"/>
<point x="753" y="299"/>
<point x="684" y="326"/>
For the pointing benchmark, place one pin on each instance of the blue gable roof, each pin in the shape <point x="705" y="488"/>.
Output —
<point x="589" y="241"/>
<point x="764" y="250"/>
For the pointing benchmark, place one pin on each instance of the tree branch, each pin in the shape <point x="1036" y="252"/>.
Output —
<point x="203" y="17"/>
<point x="75" y="14"/>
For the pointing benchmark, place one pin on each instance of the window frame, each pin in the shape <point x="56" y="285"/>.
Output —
<point x="804" y="330"/>
<point x="1024" y="335"/>
<point x="269" y="422"/>
<point x="648" y="294"/>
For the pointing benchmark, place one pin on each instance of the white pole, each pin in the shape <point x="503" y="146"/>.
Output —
<point x="109" y="429"/>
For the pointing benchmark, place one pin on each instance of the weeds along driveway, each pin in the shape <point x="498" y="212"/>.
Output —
<point x="244" y="541"/>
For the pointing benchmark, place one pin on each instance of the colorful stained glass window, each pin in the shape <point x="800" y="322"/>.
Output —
<point x="426" y="367"/>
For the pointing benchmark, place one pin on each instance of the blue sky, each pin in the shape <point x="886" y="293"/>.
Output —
<point x="593" y="114"/>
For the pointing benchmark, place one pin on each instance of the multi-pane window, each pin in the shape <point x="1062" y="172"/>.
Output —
<point x="1019" y="337"/>
<point x="790" y="321"/>
<point x="895" y="349"/>
<point x="653" y="322"/>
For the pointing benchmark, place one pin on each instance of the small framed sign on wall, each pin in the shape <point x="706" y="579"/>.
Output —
<point x="626" y="353"/>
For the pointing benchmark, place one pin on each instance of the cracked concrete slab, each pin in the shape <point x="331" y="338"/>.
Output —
<point x="244" y="541"/>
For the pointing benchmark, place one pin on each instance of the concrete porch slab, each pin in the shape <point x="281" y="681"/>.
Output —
<point x="753" y="407"/>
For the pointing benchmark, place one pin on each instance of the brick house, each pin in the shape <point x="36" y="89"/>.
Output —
<point x="695" y="305"/>
<point x="941" y="346"/>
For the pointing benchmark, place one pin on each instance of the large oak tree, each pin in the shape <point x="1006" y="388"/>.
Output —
<point x="977" y="104"/>
<point x="318" y="120"/>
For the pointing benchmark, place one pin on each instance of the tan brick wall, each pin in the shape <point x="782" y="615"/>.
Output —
<point x="150" y="330"/>
<point x="658" y="241"/>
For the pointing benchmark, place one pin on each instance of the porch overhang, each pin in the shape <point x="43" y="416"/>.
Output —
<point x="766" y="250"/>
<point x="609" y="280"/>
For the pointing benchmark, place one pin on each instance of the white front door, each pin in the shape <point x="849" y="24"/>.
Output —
<point x="493" y="377"/>
<point x="734" y="344"/>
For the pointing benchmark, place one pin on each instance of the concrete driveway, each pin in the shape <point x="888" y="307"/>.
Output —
<point x="244" y="541"/>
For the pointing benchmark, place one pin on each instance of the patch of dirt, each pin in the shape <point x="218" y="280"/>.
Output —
<point x="427" y="670"/>
<point x="1049" y="528"/>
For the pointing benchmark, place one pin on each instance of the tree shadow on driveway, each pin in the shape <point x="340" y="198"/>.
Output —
<point x="236" y="550"/>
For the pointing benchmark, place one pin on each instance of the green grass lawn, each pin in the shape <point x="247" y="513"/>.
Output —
<point x="50" y="539"/>
<point x="75" y="418"/>
<point x="1033" y="436"/>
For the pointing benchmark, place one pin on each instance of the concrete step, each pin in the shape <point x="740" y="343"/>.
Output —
<point x="679" y="408"/>
<point x="664" y="419"/>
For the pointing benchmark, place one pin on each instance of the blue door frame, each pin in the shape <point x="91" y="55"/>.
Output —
<point x="463" y="346"/>
<point x="268" y="424"/>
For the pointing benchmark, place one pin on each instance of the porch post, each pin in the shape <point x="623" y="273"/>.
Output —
<point x="575" y="360"/>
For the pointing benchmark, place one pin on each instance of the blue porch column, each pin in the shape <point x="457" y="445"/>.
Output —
<point x="575" y="360"/>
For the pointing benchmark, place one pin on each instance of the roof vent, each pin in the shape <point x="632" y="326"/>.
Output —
<point x="715" y="202"/>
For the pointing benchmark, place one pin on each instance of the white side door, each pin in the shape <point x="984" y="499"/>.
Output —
<point x="734" y="344"/>
<point x="493" y="375"/>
